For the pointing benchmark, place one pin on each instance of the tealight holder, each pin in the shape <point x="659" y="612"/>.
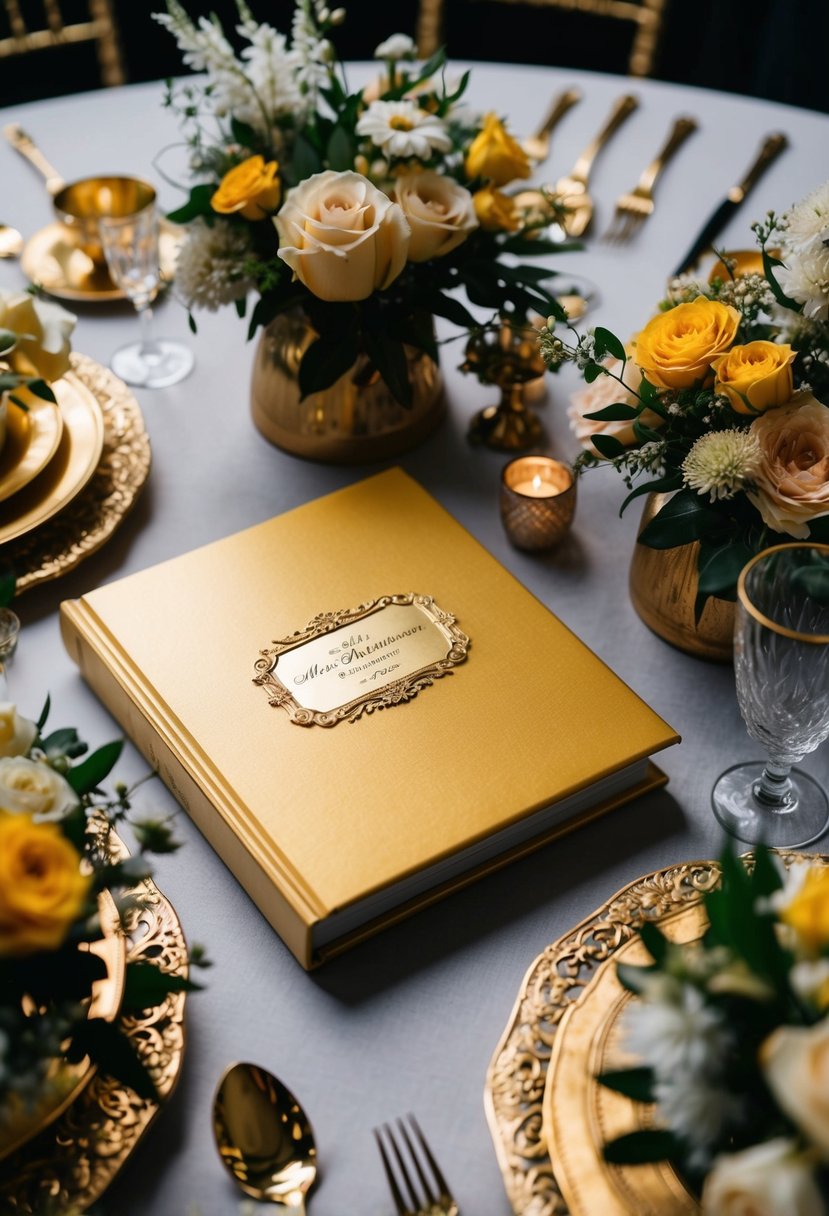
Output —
<point x="538" y="501"/>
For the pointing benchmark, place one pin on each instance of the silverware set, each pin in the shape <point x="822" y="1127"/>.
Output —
<point x="415" y="1180"/>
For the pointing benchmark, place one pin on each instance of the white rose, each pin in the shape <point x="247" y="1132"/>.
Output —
<point x="397" y="46"/>
<point x="17" y="734"/>
<point x="765" y="1180"/>
<point x="342" y="237"/>
<point x="440" y="212"/>
<point x="793" y="478"/>
<point x="43" y="330"/>
<point x="605" y="391"/>
<point x="34" y="788"/>
<point x="795" y="1061"/>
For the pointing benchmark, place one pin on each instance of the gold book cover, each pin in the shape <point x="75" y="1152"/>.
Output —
<point x="360" y="708"/>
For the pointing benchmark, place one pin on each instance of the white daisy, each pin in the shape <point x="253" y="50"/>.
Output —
<point x="805" y="278"/>
<point x="808" y="219"/>
<point x="402" y="129"/>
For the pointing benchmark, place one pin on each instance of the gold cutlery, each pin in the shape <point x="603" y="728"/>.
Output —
<point x="11" y="242"/>
<point x="572" y="190"/>
<point x="633" y="208"/>
<point x="537" y="146"/>
<point x="433" y="1197"/>
<point x="264" y="1138"/>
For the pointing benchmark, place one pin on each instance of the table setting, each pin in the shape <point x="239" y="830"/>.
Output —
<point x="317" y="428"/>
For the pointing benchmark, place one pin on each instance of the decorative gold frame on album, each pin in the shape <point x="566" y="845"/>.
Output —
<point x="396" y="693"/>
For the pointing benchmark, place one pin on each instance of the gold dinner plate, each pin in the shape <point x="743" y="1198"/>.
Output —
<point x="73" y="464"/>
<point x="32" y="438"/>
<point x="53" y="260"/>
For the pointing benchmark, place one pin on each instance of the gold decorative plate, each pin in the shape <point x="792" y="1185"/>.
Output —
<point x="76" y="459"/>
<point x="32" y="438"/>
<point x="72" y="1162"/>
<point x="52" y="259"/>
<point x="514" y="1096"/>
<point x="83" y="526"/>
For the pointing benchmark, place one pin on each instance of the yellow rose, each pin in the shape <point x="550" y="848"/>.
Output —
<point x="17" y="734"/>
<point x="755" y="377"/>
<point x="44" y="330"/>
<point x="808" y="912"/>
<point x="439" y="212"/>
<point x="495" y="155"/>
<point x="795" y="1061"/>
<point x="251" y="189"/>
<point x="676" y="348"/>
<point x="495" y="210"/>
<point x="793" y="479"/>
<point x="768" y="1179"/>
<point x="35" y="788"/>
<point x="342" y="237"/>
<point x="42" y="889"/>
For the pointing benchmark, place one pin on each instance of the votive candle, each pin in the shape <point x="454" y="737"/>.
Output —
<point x="538" y="500"/>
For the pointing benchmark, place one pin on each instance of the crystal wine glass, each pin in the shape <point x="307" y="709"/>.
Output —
<point x="781" y="661"/>
<point x="130" y="245"/>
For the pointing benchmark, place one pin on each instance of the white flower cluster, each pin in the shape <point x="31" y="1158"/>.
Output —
<point x="805" y="239"/>
<point x="208" y="268"/>
<point x="721" y="463"/>
<point x="312" y="52"/>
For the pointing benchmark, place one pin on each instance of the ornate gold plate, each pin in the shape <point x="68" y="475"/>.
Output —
<point x="83" y="526"/>
<point x="514" y="1096"/>
<point x="32" y="438"/>
<point x="52" y="259"/>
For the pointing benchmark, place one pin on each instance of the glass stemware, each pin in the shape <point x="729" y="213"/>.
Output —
<point x="130" y="245"/>
<point x="781" y="662"/>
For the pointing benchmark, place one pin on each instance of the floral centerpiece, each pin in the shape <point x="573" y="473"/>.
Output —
<point x="733" y="1035"/>
<point x="721" y="401"/>
<point x="60" y="878"/>
<point x="366" y="210"/>
<point x="34" y="349"/>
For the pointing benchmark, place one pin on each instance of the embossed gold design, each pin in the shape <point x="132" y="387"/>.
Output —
<point x="67" y="1168"/>
<point x="517" y="1074"/>
<point x="430" y="658"/>
<point x="83" y="526"/>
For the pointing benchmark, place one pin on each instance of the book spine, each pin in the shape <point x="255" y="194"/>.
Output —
<point x="124" y="706"/>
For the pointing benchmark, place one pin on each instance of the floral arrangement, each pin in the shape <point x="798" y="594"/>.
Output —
<point x="366" y="210"/>
<point x="55" y="863"/>
<point x="34" y="349"/>
<point x="733" y="1035"/>
<point x="722" y="400"/>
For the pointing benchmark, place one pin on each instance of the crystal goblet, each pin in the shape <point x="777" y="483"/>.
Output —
<point x="130" y="245"/>
<point x="781" y="663"/>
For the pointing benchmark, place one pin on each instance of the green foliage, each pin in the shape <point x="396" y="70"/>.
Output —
<point x="684" y="518"/>
<point x="147" y="986"/>
<point x="642" y="1147"/>
<point x="197" y="205"/>
<point x="8" y="584"/>
<point x="88" y="775"/>
<point x="633" y="1083"/>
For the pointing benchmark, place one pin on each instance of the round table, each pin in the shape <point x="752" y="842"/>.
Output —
<point x="408" y="1020"/>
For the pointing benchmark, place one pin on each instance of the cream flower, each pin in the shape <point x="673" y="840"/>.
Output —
<point x="721" y="463"/>
<point x="605" y="391"/>
<point x="795" y="1062"/>
<point x="402" y="129"/>
<point x="808" y="220"/>
<point x="397" y="46"/>
<point x="209" y="265"/>
<point x="769" y="1179"/>
<point x="43" y="330"/>
<point x="32" y="787"/>
<point x="805" y="278"/>
<point x="440" y="213"/>
<point x="17" y="734"/>
<point x="793" y="476"/>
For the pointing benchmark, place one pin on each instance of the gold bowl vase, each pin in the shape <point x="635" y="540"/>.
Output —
<point x="356" y="419"/>
<point x="663" y="589"/>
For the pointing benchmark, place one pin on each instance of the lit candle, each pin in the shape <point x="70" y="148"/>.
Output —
<point x="538" y="499"/>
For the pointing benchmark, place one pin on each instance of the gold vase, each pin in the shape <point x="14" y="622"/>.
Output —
<point x="663" y="589"/>
<point x="356" y="419"/>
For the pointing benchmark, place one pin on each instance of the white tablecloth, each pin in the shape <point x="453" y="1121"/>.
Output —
<point x="409" y="1020"/>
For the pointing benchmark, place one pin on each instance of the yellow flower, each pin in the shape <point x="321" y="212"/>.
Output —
<point x="42" y="889"/>
<point x="495" y="155"/>
<point x="808" y="911"/>
<point x="676" y="348"/>
<point x="495" y="210"/>
<point x="251" y="189"/>
<point x="755" y="377"/>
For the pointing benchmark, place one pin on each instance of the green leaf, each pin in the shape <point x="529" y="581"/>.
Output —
<point x="191" y="321"/>
<point x="592" y="372"/>
<point x="114" y="1054"/>
<point x="340" y="150"/>
<point x="64" y="742"/>
<point x="641" y="1147"/>
<point x="244" y="134"/>
<point x="646" y="434"/>
<point x="633" y="1083"/>
<point x="44" y="713"/>
<point x="614" y="413"/>
<point x="241" y="307"/>
<point x="662" y="485"/>
<point x="197" y="204"/>
<point x="607" y="445"/>
<point x="654" y="941"/>
<point x="88" y="775"/>
<point x="683" y="519"/>
<point x="324" y="362"/>
<point x="8" y="585"/>
<point x="779" y="294"/>
<point x="306" y="160"/>
<point x="452" y="310"/>
<point x="719" y="567"/>
<point x="608" y="344"/>
<point x="389" y="357"/>
<point x="8" y="341"/>
<point x="41" y="389"/>
<point x="147" y="986"/>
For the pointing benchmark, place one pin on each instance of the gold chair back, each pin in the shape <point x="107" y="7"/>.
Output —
<point x="54" y="31"/>
<point x="646" y="15"/>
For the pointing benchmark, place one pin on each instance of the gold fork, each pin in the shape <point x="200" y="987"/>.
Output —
<point x="537" y="147"/>
<point x="572" y="190"/>
<point x="409" y="1145"/>
<point x="633" y="208"/>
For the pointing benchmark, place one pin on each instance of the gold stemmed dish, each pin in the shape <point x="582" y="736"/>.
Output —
<point x="509" y="358"/>
<point x="264" y="1137"/>
<point x="637" y="205"/>
<point x="537" y="146"/>
<point x="32" y="439"/>
<point x="572" y="191"/>
<point x="432" y="1196"/>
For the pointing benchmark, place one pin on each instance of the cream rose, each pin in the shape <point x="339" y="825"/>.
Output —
<point x="33" y="787"/>
<point x="605" y="391"/>
<point x="342" y="237"/>
<point x="769" y="1179"/>
<point x="17" y="734"/>
<point x="43" y="330"/>
<point x="440" y="213"/>
<point x="795" y="1061"/>
<point x="793" y="479"/>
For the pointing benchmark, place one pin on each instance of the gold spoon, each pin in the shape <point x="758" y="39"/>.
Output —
<point x="264" y="1138"/>
<point x="11" y="242"/>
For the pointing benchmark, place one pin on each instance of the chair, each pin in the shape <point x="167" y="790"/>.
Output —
<point x="53" y="30"/>
<point x="645" y="17"/>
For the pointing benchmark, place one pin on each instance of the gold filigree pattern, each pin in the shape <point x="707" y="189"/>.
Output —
<point x="517" y="1074"/>
<point x="58" y="545"/>
<point x="69" y="1165"/>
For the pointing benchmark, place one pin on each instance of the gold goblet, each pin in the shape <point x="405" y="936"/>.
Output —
<point x="509" y="358"/>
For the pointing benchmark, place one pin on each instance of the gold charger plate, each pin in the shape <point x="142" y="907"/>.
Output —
<point x="32" y="438"/>
<point x="52" y="259"/>
<point x="514" y="1096"/>
<point x="76" y="459"/>
<point x="71" y="1163"/>
<point x="82" y="527"/>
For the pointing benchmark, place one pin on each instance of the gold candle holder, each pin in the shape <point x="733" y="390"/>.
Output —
<point x="538" y="501"/>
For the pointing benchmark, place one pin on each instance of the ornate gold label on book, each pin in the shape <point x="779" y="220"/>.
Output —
<point x="345" y="664"/>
